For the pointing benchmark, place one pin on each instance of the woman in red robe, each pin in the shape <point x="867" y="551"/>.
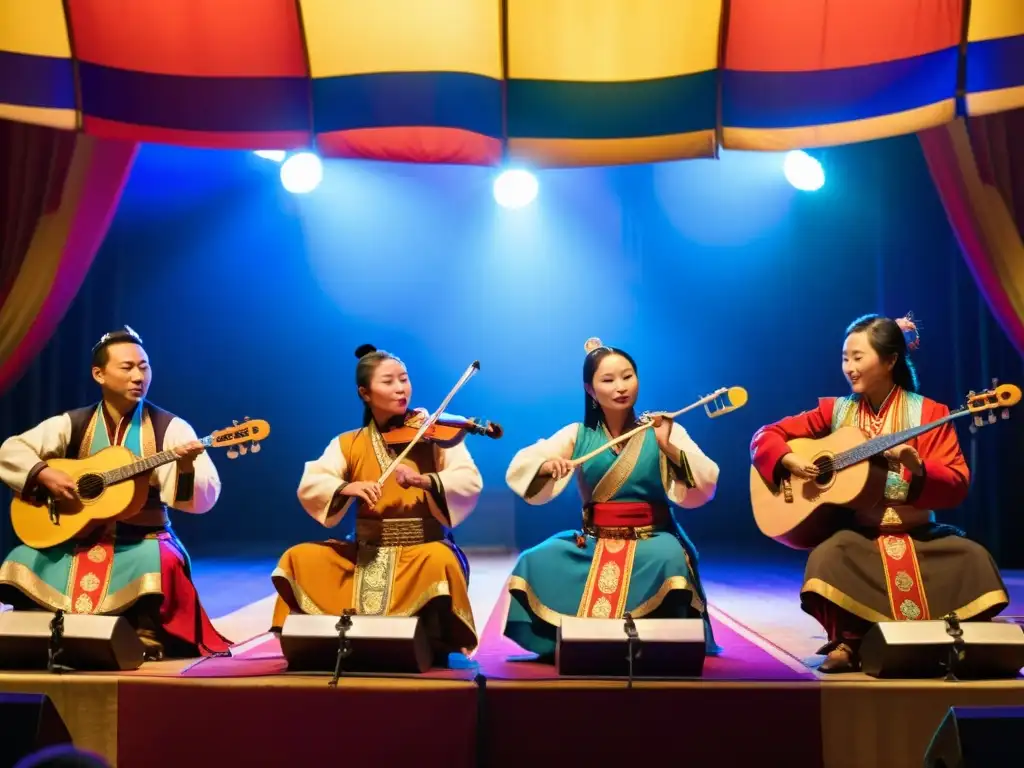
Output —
<point x="895" y="562"/>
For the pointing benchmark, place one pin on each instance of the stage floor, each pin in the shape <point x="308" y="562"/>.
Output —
<point x="760" y="702"/>
<point x="756" y="597"/>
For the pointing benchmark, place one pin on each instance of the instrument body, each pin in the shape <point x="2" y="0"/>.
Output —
<point x="801" y="513"/>
<point x="447" y="431"/>
<point x="113" y="485"/>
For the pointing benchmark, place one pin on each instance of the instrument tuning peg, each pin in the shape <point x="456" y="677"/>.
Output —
<point x="242" y="450"/>
<point x="1005" y="414"/>
<point x="970" y="393"/>
<point x="995" y="383"/>
<point x="235" y="422"/>
<point x="978" y="422"/>
<point x="254" y="447"/>
<point x="232" y="453"/>
<point x="991" y="417"/>
<point x="245" y="418"/>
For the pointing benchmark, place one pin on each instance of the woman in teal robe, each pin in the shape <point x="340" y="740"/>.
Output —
<point x="630" y="555"/>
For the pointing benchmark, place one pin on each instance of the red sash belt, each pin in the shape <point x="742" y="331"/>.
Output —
<point x="628" y="514"/>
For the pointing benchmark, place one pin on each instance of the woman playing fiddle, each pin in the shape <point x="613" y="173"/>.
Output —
<point x="896" y="562"/>
<point x="631" y="555"/>
<point x="402" y="559"/>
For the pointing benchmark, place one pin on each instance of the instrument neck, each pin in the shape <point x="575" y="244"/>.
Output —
<point x="877" y="445"/>
<point x="147" y="464"/>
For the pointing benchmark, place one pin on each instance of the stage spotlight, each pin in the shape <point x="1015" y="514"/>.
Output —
<point x="277" y="155"/>
<point x="301" y="173"/>
<point x="803" y="171"/>
<point x="515" y="188"/>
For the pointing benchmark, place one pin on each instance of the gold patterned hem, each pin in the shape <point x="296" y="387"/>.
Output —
<point x="22" y="578"/>
<point x="434" y="591"/>
<point x="554" y="618"/>
<point x="847" y="603"/>
<point x="305" y="603"/>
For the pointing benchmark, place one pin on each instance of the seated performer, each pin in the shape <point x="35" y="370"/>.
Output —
<point x="631" y="556"/>
<point x="889" y="565"/>
<point x="136" y="567"/>
<point x="402" y="559"/>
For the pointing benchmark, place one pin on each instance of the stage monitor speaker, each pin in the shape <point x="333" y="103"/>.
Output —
<point x="977" y="737"/>
<point x="600" y="648"/>
<point x="88" y="643"/>
<point x="910" y="649"/>
<point x="378" y="644"/>
<point x="30" y="722"/>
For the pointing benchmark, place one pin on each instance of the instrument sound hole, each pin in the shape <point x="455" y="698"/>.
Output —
<point x="90" y="486"/>
<point x="826" y="472"/>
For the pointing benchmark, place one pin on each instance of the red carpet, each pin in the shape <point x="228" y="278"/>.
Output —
<point x="740" y="660"/>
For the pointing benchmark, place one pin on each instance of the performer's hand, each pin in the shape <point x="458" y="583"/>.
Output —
<point x="662" y="429"/>
<point x="407" y="477"/>
<point x="361" y="489"/>
<point x="556" y="468"/>
<point x="799" y="466"/>
<point x="908" y="456"/>
<point x="187" y="452"/>
<point x="60" y="485"/>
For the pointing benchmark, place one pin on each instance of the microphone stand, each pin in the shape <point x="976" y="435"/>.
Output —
<point x="632" y="640"/>
<point x="958" y="649"/>
<point x="56" y="647"/>
<point x="344" y="645"/>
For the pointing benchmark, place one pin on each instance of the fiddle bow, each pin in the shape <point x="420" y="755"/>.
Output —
<point x="734" y="398"/>
<point x="429" y="421"/>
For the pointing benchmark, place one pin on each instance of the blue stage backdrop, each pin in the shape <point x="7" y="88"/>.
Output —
<point x="251" y="301"/>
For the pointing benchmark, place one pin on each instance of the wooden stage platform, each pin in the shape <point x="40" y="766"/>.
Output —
<point x="760" y="703"/>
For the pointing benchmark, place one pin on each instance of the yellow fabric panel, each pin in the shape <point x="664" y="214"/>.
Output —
<point x="992" y="19"/>
<point x="65" y="119"/>
<point x="611" y="40"/>
<point x="1002" y="100"/>
<point x="835" y="134"/>
<point x="575" y="153"/>
<point x="35" y="27"/>
<point x="354" y="37"/>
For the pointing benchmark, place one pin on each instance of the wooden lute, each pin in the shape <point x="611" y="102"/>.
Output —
<point x="802" y="513"/>
<point x="112" y="485"/>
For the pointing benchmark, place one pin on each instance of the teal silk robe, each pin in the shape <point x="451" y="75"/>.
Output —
<point x="551" y="580"/>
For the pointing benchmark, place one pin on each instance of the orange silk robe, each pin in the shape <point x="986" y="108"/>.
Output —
<point x="332" y="576"/>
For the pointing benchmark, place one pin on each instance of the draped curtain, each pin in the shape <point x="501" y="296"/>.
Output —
<point x="978" y="169"/>
<point x="58" y="192"/>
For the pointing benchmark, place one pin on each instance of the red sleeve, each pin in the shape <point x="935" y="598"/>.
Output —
<point x="946" y="477"/>
<point x="768" y="445"/>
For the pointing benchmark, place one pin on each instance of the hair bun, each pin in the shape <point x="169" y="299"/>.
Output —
<point x="910" y="332"/>
<point x="364" y="349"/>
<point x="591" y="344"/>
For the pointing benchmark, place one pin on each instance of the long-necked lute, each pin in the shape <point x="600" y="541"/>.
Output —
<point x="801" y="513"/>
<point x="111" y="485"/>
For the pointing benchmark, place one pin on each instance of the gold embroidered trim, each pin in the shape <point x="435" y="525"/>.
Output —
<point x="554" y="618"/>
<point x="621" y="469"/>
<point x="374" y="577"/>
<point x="305" y="603"/>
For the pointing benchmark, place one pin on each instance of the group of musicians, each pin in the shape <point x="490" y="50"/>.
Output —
<point x="630" y="553"/>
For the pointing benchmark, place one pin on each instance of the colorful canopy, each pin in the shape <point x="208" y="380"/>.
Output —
<point x="549" y="82"/>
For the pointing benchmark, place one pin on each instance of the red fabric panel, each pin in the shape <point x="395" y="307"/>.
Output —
<point x="150" y="134"/>
<point x="241" y="38"/>
<point x="380" y="723"/>
<point x="808" y="35"/>
<point x="412" y="145"/>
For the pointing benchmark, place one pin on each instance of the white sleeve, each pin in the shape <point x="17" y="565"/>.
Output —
<point x="691" y="477"/>
<point x="459" y="480"/>
<point x="522" y="477"/>
<point x="195" y="492"/>
<point x="320" y="482"/>
<point x="22" y="456"/>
